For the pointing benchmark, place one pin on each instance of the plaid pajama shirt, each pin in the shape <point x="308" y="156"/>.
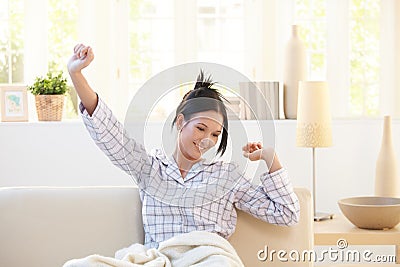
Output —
<point x="205" y="200"/>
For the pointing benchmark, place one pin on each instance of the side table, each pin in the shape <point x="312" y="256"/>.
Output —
<point x="328" y="232"/>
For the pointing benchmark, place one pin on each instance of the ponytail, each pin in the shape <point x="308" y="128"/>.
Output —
<point x="211" y="99"/>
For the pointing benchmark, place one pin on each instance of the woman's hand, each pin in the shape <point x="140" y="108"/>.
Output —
<point x="255" y="151"/>
<point x="81" y="58"/>
<point x="252" y="151"/>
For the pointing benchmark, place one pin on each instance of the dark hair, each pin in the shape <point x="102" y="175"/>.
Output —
<point x="204" y="98"/>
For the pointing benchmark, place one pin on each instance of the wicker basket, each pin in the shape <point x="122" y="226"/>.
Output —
<point x="49" y="107"/>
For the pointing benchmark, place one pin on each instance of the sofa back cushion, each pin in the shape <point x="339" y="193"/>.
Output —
<point x="46" y="226"/>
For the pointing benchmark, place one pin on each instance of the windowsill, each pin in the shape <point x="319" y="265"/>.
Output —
<point x="42" y="123"/>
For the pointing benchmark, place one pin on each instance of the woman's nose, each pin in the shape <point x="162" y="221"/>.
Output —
<point x="206" y="143"/>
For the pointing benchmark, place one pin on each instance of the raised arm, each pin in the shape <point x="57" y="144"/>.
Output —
<point x="273" y="201"/>
<point x="82" y="57"/>
<point x="104" y="128"/>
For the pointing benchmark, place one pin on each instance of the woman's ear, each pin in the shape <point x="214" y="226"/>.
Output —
<point x="179" y="122"/>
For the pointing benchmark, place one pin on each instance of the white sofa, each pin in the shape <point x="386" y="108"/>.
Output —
<point x="46" y="226"/>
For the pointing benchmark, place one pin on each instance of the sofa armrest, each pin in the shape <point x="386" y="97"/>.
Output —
<point x="253" y="235"/>
<point x="46" y="226"/>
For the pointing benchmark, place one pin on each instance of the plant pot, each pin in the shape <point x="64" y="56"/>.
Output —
<point x="49" y="107"/>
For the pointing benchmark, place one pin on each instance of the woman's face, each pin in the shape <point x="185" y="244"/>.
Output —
<point x="198" y="134"/>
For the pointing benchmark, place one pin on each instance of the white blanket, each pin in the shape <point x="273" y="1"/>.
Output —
<point x="191" y="249"/>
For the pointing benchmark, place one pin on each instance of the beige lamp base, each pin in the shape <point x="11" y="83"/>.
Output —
<point x="321" y="216"/>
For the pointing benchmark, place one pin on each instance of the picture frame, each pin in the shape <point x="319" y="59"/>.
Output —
<point x="13" y="103"/>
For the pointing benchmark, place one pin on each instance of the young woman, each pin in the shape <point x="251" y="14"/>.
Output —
<point x="181" y="193"/>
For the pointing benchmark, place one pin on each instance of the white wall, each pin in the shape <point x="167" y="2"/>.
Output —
<point x="62" y="154"/>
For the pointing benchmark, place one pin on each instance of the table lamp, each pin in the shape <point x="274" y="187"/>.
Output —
<point x="314" y="125"/>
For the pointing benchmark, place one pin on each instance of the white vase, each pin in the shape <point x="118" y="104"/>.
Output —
<point x="386" y="178"/>
<point x="294" y="71"/>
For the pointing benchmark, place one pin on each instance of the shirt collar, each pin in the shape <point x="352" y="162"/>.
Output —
<point x="169" y="160"/>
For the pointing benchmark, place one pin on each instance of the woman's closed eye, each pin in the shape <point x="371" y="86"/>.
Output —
<point x="203" y="129"/>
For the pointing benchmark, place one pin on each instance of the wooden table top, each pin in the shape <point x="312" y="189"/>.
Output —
<point x="328" y="231"/>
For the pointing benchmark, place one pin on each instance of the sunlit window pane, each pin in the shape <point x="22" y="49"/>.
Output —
<point x="151" y="37"/>
<point x="151" y="8"/>
<point x="364" y="57"/>
<point x="11" y="41"/>
<point x="4" y="54"/>
<point x="62" y="36"/>
<point x="17" y="40"/>
<point x="63" y="17"/>
<point x="232" y="34"/>
<point x="220" y="32"/>
<point x="208" y="34"/>
<point x="311" y="18"/>
<point x="231" y="8"/>
<point x="3" y="10"/>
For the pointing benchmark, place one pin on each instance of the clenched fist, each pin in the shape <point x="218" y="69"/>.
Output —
<point x="82" y="57"/>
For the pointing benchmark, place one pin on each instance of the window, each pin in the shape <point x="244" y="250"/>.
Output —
<point x="311" y="15"/>
<point x="351" y="43"/>
<point x="50" y="28"/>
<point x="151" y="44"/>
<point x="11" y="41"/>
<point x="220" y="32"/>
<point x="363" y="56"/>
<point x="62" y="32"/>
<point x="165" y="33"/>
<point x="151" y="35"/>
<point x="62" y="36"/>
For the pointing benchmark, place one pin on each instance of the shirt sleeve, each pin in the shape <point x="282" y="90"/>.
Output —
<point x="273" y="201"/>
<point x="111" y="137"/>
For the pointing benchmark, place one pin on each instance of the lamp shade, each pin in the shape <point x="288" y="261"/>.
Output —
<point x="314" y="127"/>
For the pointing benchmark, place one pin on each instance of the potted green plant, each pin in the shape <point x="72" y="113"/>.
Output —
<point x="49" y="95"/>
